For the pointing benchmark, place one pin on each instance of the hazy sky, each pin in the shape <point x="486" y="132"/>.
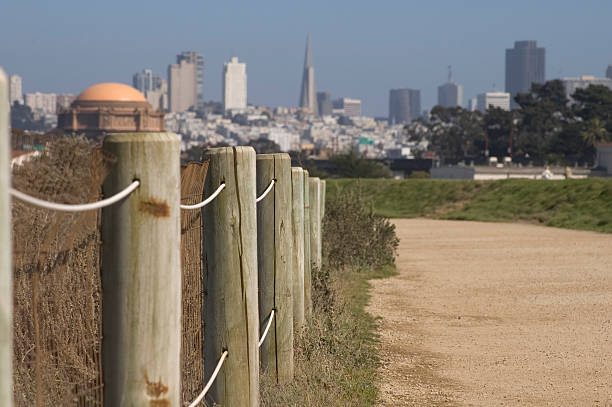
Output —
<point x="361" y="49"/>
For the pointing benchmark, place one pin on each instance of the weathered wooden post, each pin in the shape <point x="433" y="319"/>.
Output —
<point x="230" y="253"/>
<point x="323" y="190"/>
<point x="6" y="273"/>
<point x="297" y="214"/>
<point x="307" y="260"/>
<point x="315" y="222"/>
<point x="274" y="259"/>
<point x="141" y="272"/>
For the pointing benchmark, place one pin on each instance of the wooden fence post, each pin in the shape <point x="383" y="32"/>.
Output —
<point x="274" y="259"/>
<point x="323" y="190"/>
<point x="307" y="255"/>
<point x="6" y="272"/>
<point x="297" y="214"/>
<point x="315" y="222"/>
<point x="141" y="272"/>
<point x="230" y="255"/>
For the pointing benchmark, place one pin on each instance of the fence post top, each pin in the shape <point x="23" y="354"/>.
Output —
<point x="129" y="137"/>
<point x="298" y="170"/>
<point x="229" y="150"/>
<point x="277" y="156"/>
<point x="306" y="174"/>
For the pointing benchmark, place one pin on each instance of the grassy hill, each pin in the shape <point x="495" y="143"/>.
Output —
<point x="573" y="204"/>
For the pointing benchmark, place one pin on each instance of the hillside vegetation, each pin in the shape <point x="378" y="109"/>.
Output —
<point x="573" y="204"/>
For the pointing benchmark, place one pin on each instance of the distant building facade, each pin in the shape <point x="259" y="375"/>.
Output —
<point x="450" y="94"/>
<point x="234" y="85"/>
<point x="153" y="87"/>
<point x="64" y="101"/>
<point x="525" y="65"/>
<point x="45" y="103"/>
<point x="609" y="72"/>
<point x="15" y="90"/>
<point x="196" y="59"/>
<point x="404" y="105"/>
<point x="347" y="107"/>
<point x="182" y="92"/>
<point x="493" y="99"/>
<point x="583" y="82"/>
<point x="308" y="97"/>
<point x="324" y="102"/>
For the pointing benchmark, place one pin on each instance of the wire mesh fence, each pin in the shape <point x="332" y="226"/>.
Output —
<point x="57" y="297"/>
<point x="192" y="356"/>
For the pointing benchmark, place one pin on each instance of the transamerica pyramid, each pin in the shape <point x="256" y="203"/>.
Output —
<point x="308" y="96"/>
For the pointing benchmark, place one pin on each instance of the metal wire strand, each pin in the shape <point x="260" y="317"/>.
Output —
<point x="263" y="337"/>
<point x="206" y="201"/>
<point x="210" y="381"/>
<point x="267" y="191"/>
<point x="75" y="207"/>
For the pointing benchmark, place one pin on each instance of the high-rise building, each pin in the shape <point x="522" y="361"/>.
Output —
<point x="15" y="90"/>
<point x="404" y="105"/>
<point x="609" y="72"/>
<point x="234" y="85"/>
<point x="450" y="94"/>
<point x="525" y="65"/>
<point x="324" y="103"/>
<point x="197" y="59"/>
<point x="347" y="107"/>
<point x="153" y="87"/>
<point x="45" y="103"/>
<point x="493" y="99"/>
<point x="308" y="97"/>
<point x="146" y="81"/>
<point x="182" y="86"/>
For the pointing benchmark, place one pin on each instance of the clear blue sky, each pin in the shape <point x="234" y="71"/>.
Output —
<point x="361" y="48"/>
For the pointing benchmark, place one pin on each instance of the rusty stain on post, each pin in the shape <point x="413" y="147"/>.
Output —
<point x="152" y="206"/>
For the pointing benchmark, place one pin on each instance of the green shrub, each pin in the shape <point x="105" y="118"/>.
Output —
<point x="354" y="236"/>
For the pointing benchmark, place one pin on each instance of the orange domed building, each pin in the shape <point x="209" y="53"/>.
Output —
<point x="108" y="108"/>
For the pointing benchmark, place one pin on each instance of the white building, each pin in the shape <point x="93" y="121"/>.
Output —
<point x="234" y="85"/>
<point x="42" y="102"/>
<point x="493" y="99"/>
<point x="583" y="82"/>
<point x="182" y="86"/>
<point x="15" y="90"/>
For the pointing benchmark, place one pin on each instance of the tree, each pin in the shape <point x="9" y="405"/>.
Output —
<point x="456" y="134"/>
<point x="543" y="114"/>
<point x="594" y="102"/>
<point x="264" y="146"/>
<point x="354" y="165"/>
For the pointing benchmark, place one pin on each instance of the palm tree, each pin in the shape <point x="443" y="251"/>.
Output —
<point x="594" y="132"/>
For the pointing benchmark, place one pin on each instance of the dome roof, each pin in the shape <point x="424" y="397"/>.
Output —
<point x="111" y="92"/>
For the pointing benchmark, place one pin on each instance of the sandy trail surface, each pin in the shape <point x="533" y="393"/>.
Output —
<point x="491" y="314"/>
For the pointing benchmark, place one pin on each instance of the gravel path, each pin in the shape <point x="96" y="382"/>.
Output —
<point x="490" y="314"/>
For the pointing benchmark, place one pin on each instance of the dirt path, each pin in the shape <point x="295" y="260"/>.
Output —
<point x="489" y="314"/>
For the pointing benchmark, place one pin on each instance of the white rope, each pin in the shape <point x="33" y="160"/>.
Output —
<point x="268" y="189"/>
<point x="263" y="337"/>
<point x="75" y="207"/>
<point x="210" y="381"/>
<point x="206" y="201"/>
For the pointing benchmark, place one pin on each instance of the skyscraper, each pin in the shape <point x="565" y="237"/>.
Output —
<point x="308" y="99"/>
<point x="324" y="103"/>
<point x="234" y="85"/>
<point x="188" y="72"/>
<point x="15" y="90"/>
<point x="450" y="94"/>
<point x="182" y="85"/>
<point x="404" y="105"/>
<point x="609" y="72"/>
<point x="525" y="65"/>
<point x="153" y="87"/>
<point x="348" y="107"/>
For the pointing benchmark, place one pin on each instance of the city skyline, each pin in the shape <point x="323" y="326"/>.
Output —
<point x="398" y="50"/>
